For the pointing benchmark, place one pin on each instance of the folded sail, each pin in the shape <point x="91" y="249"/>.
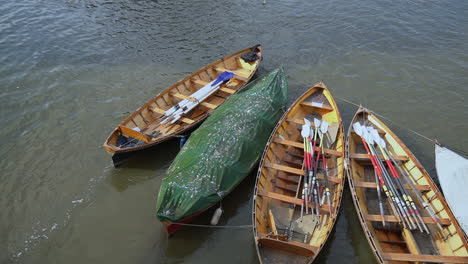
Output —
<point x="452" y="170"/>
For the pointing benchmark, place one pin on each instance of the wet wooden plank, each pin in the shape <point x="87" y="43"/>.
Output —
<point x="134" y="134"/>
<point x="294" y="247"/>
<point x="392" y="218"/>
<point x="317" y="105"/>
<point x="239" y="74"/>
<point x="297" y="171"/>
<point x="288" y="199"/>
<point x="424" y="258"/>
<point x="301" y="146"/>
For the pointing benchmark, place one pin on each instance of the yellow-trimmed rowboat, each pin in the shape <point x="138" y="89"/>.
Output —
<point x="282" y="235"/>
<point x="432" y="236"/>
<point x="144" y="128"/>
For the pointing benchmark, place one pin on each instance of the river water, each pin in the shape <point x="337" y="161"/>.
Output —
<point x="72" y="70"/>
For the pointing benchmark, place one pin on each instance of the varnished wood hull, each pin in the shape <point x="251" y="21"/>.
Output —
<point x="392" y="243"/>
<point x="279" y="181"/>
<point x="147" y="118"/>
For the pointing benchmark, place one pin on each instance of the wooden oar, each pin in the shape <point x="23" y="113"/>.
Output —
<point x="407" y="198"/>
<point x="323" y="130"/>
<point x="392" y="189"/>
<point x="407" y="179"/>
<point x="359" y="131"/>
<point x="305" y="134"/>
<point x="315" y="184"/>
<point x="399" y="193"/>
<point x="175" y="113"/>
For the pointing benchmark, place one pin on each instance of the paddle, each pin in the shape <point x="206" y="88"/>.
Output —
<point x="309" y="195"/>
<point x="386" y="178"/>
<point x="406" y="178"/>
<point x="305" y="134"/>
<point x="406" y="197"/>
<point x="399" y="195"/>
<point x="358" y="129"/>
<point x="175" y="113"/>
<point x="323" y="131"/>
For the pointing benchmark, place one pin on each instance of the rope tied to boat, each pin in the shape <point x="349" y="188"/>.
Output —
<point x="216" y="226"/>
<point x="434" y="141"/>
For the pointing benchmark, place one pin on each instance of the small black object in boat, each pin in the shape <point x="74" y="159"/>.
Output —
<point x="126" y="142"/>
<point x="252" y="56"/>
<point x="121" y="141"/>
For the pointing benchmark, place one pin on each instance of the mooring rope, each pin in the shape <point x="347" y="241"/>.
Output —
<point x="386" y="118"/>
<point x="215" y="226"/>
<point x="434" y="141"/>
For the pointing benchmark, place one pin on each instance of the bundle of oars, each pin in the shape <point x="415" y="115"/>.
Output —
<point x="393" y="182"/>
<point x="312" y="155"/>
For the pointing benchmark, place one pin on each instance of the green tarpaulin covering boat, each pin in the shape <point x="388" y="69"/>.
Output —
<point x="222" y="151"/>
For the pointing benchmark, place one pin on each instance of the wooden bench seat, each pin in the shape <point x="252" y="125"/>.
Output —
<point x="161" y="111"/>
<point x="317" y="105"/>
<point x="373" y="185"/>
<point x="203" y="83"/>
<point x="295" y="247"/>
<point x="134" y="134"/>
<point x="392" y="218"/>
<point x="424" y="258"/>
<point x="299" y="171"/>
<point x="289" y="199"/>
<point x="300" y="145"/>
<point x="185" y="97"/>
<point x="240" y="74"/>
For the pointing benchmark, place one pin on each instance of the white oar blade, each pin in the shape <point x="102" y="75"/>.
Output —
<point x="357" y="128"/>
<point x="317" y="123"/>
<point x="311" y="129"/>
<point x="367" y="137"/>
<point x="324" y="127"/>
<point x="305" y="131"/>
<point x="382" y="143"/>
<point x="375" y="134"/>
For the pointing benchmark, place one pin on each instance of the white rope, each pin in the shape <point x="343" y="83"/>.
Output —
<point x="415" y="132"/>
<point x="434" y="141"/>
<point x="212" y="226"/>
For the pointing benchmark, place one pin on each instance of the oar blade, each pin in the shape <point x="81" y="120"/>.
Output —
<point x="382" y="143"/>
<point x="305" y="131"/>
<point x="324" y="127"/>
<point x="317" y="123"/>
<point x="357" y="128"/>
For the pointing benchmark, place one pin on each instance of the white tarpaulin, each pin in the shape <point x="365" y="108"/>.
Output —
<point x="452" y="170"/>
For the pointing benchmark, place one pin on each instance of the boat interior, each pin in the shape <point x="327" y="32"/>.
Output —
<point x="393" y="240"/>
<point x="283" y="233"/>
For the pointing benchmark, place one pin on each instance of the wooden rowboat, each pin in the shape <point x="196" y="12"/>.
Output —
<point x="281" y="234"/>
<point x="429" y="233"/>
<point x="144" y="128"/>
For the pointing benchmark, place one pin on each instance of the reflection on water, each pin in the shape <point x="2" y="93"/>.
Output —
<point x="72" y="70"/>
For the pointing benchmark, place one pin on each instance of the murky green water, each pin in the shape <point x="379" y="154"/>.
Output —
<point x="72" y="70"/>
